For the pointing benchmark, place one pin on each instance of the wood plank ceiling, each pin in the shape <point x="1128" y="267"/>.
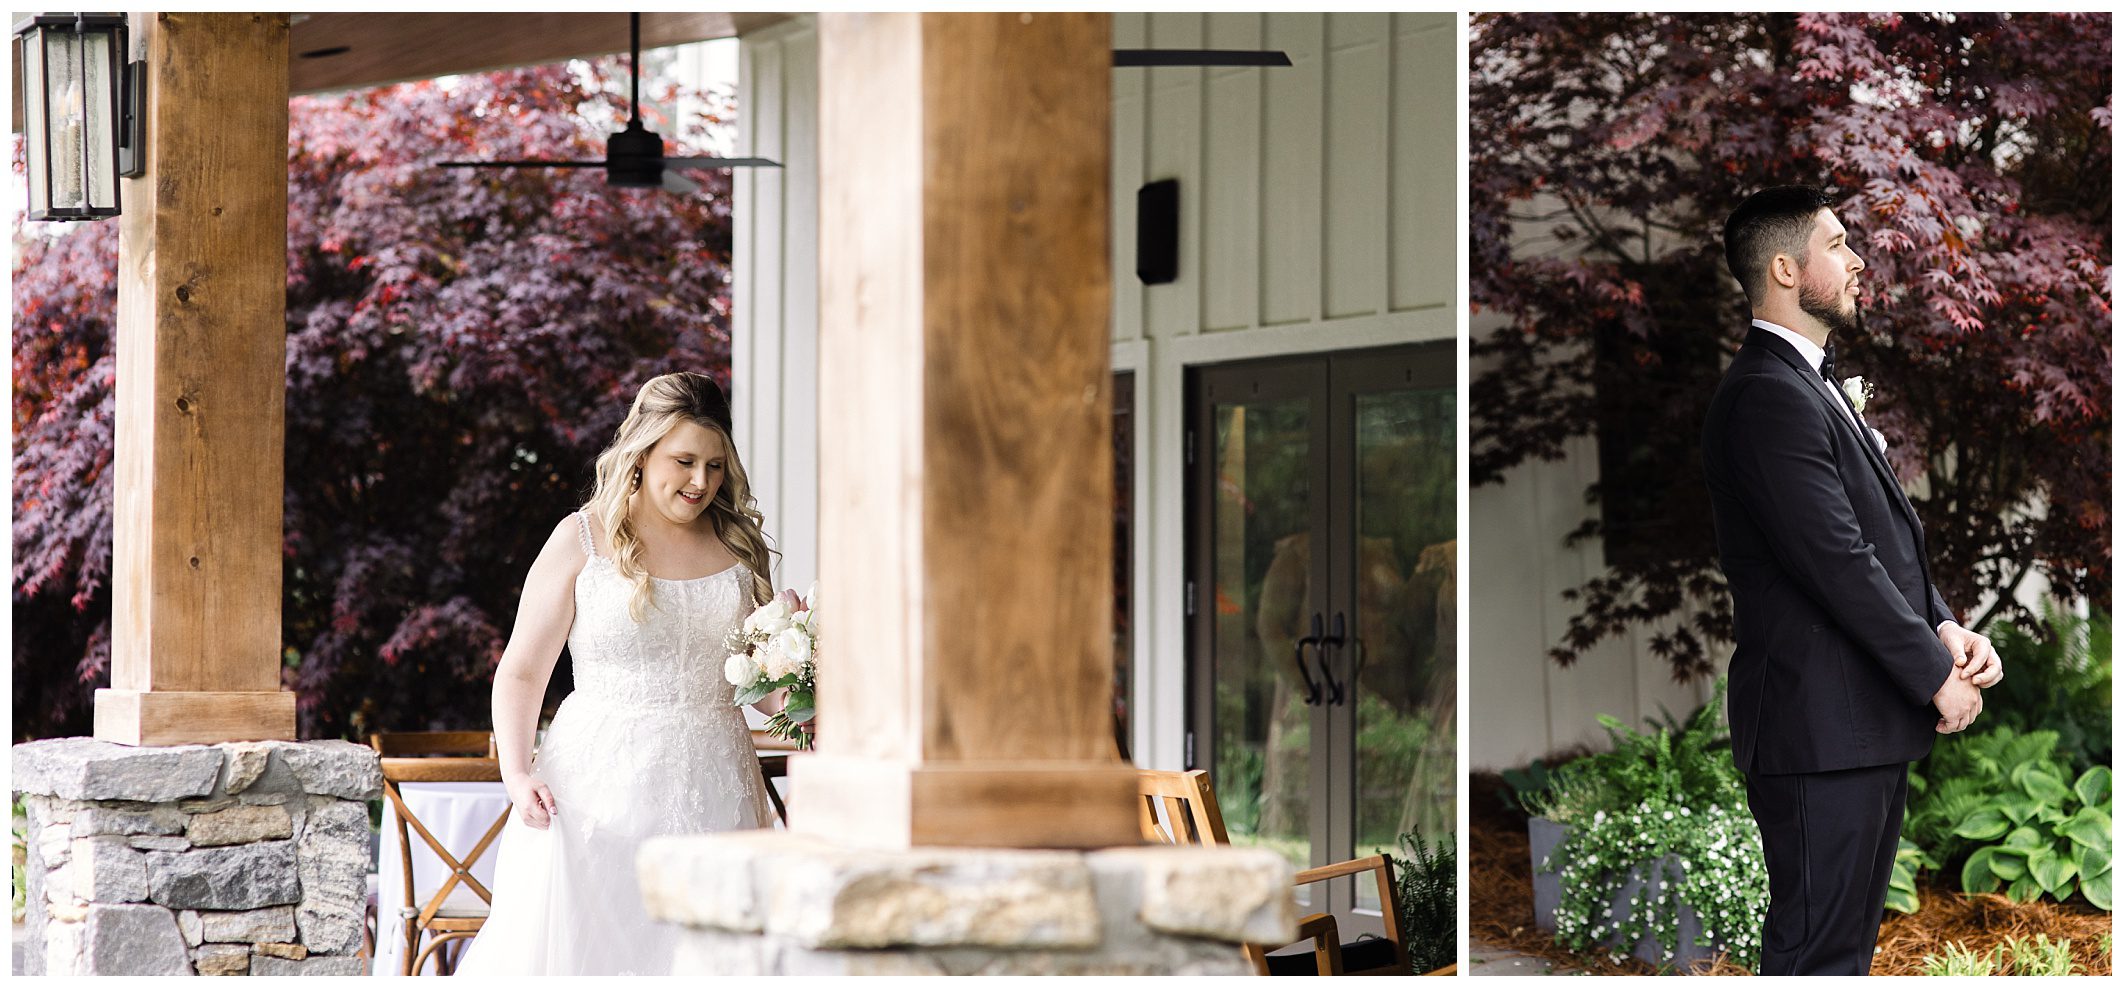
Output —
<point x="346" y="51"/>
<point x="351" y="51"/>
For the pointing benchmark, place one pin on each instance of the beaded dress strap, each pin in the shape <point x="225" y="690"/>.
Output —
<point x="583" y="528"/>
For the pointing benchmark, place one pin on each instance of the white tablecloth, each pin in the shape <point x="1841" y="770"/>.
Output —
<point x="458" y="814"/>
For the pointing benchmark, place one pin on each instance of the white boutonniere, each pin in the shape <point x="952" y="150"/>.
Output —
<point x="1856" y="389"/>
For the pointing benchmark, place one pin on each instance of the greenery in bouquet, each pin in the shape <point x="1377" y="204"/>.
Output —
<point x="1666" y="806"/>
<point x="777" y="648"/>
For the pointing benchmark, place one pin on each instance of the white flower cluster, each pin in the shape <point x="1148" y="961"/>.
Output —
<point x="778" y="641"/>
<point x="1718" y="852"/>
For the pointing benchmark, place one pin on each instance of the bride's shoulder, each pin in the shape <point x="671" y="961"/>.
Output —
<point x="571" y="537"/>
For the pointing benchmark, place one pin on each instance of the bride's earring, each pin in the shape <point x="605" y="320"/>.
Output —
<point x="637" y="485"/>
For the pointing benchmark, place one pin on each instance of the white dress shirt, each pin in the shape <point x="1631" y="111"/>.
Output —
<point x="1813" y="355"/>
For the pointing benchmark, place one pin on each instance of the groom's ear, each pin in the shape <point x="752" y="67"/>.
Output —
<point x="1784" y="270"/>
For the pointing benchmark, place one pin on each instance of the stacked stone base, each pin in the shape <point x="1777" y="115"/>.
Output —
<point x="239" y="858"/>
<point x="770" y="902"/>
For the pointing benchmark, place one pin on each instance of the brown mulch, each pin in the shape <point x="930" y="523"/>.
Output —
<point x="1501" y="909"/>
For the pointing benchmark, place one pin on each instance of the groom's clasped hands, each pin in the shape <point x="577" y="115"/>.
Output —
<point x="1976" y="668"/>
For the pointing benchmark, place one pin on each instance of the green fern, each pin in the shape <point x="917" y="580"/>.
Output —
<point x="1424" y="887"/>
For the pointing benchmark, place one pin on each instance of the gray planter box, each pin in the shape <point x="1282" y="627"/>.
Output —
<point x="1542" y="837"/>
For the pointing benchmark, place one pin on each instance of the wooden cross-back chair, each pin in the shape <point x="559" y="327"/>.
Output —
<point x="458" y="908"/>
<point x="1191" y="816"/>
<point x="774" y="755"/>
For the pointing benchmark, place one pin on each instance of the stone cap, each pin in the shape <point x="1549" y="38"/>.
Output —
<point x="821" y="895"/>
<point x="88" y="769"/>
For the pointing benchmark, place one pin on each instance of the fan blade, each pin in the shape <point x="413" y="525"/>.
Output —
<point x="521" y="164"/>
<point x="721" y="163"/>
<point x="1137" y="58"/>
<point x="674" y="182"/>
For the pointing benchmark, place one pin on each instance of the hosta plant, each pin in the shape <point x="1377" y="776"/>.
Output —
<point x="1902" y="882"/>
<point x="2052" y="838"/>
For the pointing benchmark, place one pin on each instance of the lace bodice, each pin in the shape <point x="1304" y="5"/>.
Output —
<point x="675" y="656"/>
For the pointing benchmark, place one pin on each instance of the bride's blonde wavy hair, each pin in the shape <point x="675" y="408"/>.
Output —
<point x="661" y="404"/>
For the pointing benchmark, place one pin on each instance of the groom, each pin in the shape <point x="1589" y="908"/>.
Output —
<point x="1847" y="660"/>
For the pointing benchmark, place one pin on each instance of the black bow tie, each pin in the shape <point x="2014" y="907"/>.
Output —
<point x="1829" y="363"/>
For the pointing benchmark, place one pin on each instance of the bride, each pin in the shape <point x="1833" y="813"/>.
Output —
<point x="642" y="586"/>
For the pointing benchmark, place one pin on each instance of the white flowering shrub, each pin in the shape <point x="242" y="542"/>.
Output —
<point x="1721" y="876"/>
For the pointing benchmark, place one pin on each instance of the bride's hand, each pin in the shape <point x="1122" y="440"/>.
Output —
<point x="533" y="801"/>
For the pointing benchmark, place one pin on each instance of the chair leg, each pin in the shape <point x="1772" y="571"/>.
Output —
<point x="412" y="937"/>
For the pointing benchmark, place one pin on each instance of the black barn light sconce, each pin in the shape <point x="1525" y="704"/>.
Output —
<point x="1158" y="232"/>
<point x="82" y="119"/>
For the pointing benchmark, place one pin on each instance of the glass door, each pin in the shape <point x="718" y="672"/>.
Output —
<point x="1321" y="591"/>
<point x="1258" y="452"/>
<point x="1392" y="629"/>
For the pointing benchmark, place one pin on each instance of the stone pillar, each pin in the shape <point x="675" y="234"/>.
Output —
<point x="236" y="858"/>
<point x="771" y="902"/>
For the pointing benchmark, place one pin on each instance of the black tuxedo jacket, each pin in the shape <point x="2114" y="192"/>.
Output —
<point x="1836" y="657"/>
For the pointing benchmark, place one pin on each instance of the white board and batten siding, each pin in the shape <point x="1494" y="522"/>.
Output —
<point x="1317" y="213"/>
<point x="774" y="292"/>
<point x="1521" y="704"/>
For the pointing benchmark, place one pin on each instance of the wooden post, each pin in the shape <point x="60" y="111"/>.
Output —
<point x="965" y="466"/>
<point x="202" y="338"/>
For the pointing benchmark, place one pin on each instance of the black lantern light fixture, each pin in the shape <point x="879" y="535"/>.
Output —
<point x="73" y="73"/>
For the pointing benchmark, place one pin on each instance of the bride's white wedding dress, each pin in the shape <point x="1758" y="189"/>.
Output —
<point x="647" y="744"/>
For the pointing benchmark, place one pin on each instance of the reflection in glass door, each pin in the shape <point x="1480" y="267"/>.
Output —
<point x="1399" y="589"/>
<point x="1321" y="626"/>
<point x="1261" y="514"/>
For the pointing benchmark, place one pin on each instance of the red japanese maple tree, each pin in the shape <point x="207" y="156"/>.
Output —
<point x="1970" y="155"/>
<point x="460" y="346"/>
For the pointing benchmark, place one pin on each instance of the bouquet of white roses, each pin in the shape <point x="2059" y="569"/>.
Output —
<point x="778" y="647"/>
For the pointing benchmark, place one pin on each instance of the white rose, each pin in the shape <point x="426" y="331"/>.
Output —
<point x="740" y="670"/>
<point x="1855" y="389"/>
<point x="787" y="653"/>
<point x="771" y="618"/>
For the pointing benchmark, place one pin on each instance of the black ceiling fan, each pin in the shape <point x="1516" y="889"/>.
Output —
<point x="634" y="157"/>
<point x="1140" y="58"/>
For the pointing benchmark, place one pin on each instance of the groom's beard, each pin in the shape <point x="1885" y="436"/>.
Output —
<point x="1824" y="306"/>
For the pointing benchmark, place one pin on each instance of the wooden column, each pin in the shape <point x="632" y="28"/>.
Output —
<point x="202" y="337"/>
<point x="965" y="466"/>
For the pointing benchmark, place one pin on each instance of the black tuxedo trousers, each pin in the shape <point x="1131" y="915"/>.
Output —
<point x="1836" y="659"/>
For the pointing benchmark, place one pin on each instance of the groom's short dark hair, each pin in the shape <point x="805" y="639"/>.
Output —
<point x="1773" y="221"/>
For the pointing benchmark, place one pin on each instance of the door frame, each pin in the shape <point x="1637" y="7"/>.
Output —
<point x="1331" y="380"/>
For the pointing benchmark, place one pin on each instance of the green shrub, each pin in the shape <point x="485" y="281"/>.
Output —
<point x="1999" y="810"/>
<point x="2052" y="839"/>
<point x="2057" y="679"/>
<point x="1425" y="890"/>
<point x="1965" y="773"/>
<point x="1671" y="791"/>
<point x="1689" y="763"/>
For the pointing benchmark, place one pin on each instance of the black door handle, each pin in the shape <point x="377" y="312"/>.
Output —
<point x="1312" y="689"/>
<point x="1335" y="638"/>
